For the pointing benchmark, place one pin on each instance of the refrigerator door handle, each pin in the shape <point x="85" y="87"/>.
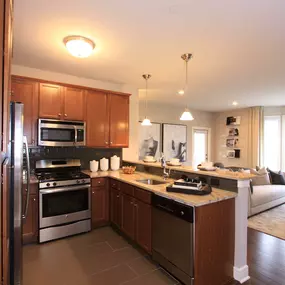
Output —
<point x="28" y="177"/>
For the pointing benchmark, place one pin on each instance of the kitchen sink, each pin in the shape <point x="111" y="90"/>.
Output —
<point x="151" y="181"/>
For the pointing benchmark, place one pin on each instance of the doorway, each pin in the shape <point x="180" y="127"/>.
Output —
<point x="200" y="145"/>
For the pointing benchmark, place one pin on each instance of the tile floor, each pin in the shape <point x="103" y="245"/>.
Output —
<point x="101" y="257"/>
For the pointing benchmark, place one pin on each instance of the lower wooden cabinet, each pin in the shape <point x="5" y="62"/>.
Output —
<point x="99" y="204"/>
<point x="128" y="216"/>
<point x="30" y="224"/>
<point x="143" y="225"/>
<point x="115" y="207"/>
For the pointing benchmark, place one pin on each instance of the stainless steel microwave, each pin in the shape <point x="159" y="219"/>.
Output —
<point x="61" y="133"/>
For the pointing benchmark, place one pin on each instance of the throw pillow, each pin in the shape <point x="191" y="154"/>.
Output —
<point x="277" y="178"/>
<point x="261" y="177"/>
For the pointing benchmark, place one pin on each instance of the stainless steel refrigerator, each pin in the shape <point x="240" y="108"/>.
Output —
<point x="17" y="147"/>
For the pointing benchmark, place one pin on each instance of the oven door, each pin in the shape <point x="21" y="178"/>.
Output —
<point x="64" y="205"/>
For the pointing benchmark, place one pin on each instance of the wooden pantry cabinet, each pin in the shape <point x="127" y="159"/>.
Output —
<point x="106" y="113"/>
<point x="26" y="92"/>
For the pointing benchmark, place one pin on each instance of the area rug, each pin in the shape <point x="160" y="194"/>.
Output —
<point x="271" y="222"/>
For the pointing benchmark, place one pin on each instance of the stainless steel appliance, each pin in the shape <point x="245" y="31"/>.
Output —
<point x="61" y="133"/>
<point x="17" y="212"/>
<point x="173" y="238"/>
<point x="64" y="199"/>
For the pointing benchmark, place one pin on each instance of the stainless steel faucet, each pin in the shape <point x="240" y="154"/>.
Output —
<point x="165" y="174"/>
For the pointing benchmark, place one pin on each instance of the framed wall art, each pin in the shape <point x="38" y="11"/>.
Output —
<point x="174" y="141"/>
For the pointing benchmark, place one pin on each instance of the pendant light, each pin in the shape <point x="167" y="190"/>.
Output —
<point x="146" y="121"/>
<point x="186" y="116"/>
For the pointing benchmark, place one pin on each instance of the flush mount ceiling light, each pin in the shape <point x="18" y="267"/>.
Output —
<point x="146" y="121"/>
<point x="79" y="46"/>
<point x="181" y="92"/>
<point x="186" y="116"/>
<point x="235" y="103"/>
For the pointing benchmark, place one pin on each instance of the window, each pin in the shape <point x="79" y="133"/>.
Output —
<point x="273" y="142"/>
<point x="200" y="145"/>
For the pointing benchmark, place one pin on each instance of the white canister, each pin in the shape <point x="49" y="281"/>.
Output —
<point x="94" y="165"/>
<point x="115" y="163"/>
<point x="104" y="164"/>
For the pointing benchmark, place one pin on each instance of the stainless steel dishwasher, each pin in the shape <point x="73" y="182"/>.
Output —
<point x="172" y="238"/>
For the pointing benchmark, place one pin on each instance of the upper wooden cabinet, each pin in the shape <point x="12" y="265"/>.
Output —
<point x="97" y="121"/>
<point x="74" y="102"/>
<point x="119" y="120"/>
<point x="26" y="92"/>
<point x="107" y="119"/>
<point x="50" y="101"/>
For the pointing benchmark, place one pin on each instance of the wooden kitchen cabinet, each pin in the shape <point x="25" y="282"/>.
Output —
<point x="128" y="216"/>
<point x="115" y="207"/>
<point x="50" y="101"/>
<point x="26" y="92"/>
<point x="74" y="104"/>
<point x="99" y="203"/>
<point x="119" y="120"/>
<point x="97" y="122"/>
<point x="143" y="225"/>
<point x="30" y="224"/>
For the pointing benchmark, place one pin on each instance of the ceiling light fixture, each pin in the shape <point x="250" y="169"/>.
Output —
<point x="79" y="46"/>
<point x="235" y="103"/>
<point x="186" y="116"/>
<point x="181" y="92"/>
<point x="146" y="121"/>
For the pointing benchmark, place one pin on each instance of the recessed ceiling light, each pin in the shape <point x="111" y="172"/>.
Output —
<point x="79" y="46"/>
<point x="181" y="92"/>
<point x="235" y="103"/>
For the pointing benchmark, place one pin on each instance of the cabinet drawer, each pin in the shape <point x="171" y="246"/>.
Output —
<point x="95" y="182"/>
<point x="142" y="195"/>
<point x="115" y="184"/>
<point x="127" y="189"/>
<point x="33" y="188"/>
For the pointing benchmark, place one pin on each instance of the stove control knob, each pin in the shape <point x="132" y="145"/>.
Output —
<point x="77" y="181"/>
<point x="54" y="184"/>
<point x="83" y="181"/>
<point x="48" y="184"/>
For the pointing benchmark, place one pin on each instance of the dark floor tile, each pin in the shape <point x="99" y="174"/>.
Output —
<point x="113" y="276"/>
<point x="157" y="277"/>
<point x="142" y="265"/>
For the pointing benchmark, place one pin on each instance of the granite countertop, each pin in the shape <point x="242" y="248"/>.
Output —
<point x="220" y="173"/>
<point x="190" y="200"/>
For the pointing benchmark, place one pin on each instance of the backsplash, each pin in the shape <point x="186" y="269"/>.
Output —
<point x="85" y="154"/>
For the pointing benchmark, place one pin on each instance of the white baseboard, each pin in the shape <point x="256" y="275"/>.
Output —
<point x="241" y="274"/>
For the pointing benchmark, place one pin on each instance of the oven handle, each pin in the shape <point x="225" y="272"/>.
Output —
<point x="64" y="189"/>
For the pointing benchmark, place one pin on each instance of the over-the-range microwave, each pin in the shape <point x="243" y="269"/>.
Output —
<point x="61" y="133"/>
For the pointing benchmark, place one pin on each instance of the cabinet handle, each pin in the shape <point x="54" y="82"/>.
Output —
<point x="11" y="93"/>
<point x="111" y="142"/>
<point x="33" y="142"/>
<point x="99" y="182"/>
<point x="93" y="192"/>
<point x="34" y="199"/>
<point x="65" y="115"/>
<point x="59" y="114"/>
<point x="26" y="189"/>
<point x="132" y="203"/>
<point x="136" y="205"/>
<point x="118" y="196"/>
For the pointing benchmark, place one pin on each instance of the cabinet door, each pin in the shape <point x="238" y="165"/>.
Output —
<point x="116" y="214"/>
<point x="73" y="104"/>
<point x="100" y="206"/>
<point x="26" y="92"/>
<point x="143" y="225"/>
<point x="50" y="101"/>
<point x="97" y="122"/>
<point x="128" y="216"/>
<point x="119" y="120"/>
<point x="30" y="224"/>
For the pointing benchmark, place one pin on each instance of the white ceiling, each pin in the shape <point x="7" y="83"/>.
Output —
<point x="238" y="46"/>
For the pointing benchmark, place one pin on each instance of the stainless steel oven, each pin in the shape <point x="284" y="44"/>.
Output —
<point x="61" y="133"/>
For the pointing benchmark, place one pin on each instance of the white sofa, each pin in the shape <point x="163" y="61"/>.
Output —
<point x="265" y="197"/>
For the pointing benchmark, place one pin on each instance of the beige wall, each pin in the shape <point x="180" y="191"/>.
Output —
<point x="221" y="132"/>
<point x="165" y="113"/>
<point x="128" y="153"/>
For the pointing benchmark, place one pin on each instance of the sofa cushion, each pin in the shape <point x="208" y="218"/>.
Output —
<point x="277" y="178"/>
<point x="266" y="193"/>
<point x="261" y="177"/>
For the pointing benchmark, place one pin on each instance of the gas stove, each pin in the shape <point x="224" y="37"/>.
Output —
<point x="60" y="173"/>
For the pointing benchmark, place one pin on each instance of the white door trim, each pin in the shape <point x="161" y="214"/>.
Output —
<point x="209" y="141"/>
